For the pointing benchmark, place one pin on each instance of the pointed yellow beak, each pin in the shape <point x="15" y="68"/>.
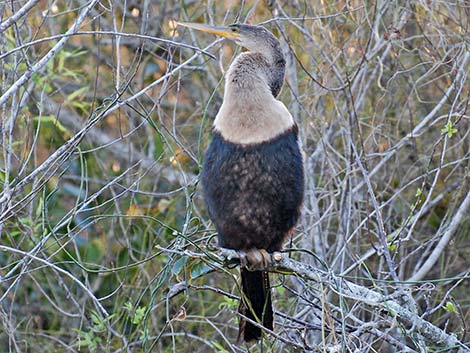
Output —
<point x="222" y="31"/>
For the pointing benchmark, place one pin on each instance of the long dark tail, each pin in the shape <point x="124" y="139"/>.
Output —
<point x="255" y="304"/>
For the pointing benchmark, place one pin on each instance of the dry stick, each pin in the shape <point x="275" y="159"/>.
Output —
<point x="62" y="223"/>
<point x="58" y="269"/>
<point x="36" y="67"/>
<point x="9" y="329"/>
<point x="378" y="215"/>
<point x="316" y="18"/>
<point x="356" y="292"/>
<point x="393" y="235"/>
<point x="423" y="122"/>
<point x="431" y="260"/>
<point x="17" y="15"/>
<point x="110" y="33"/>
<point x="77" y="138"/>
<point x="119" y="149"/>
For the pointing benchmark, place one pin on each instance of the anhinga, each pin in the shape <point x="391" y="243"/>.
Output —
<point x="252" y="175"/>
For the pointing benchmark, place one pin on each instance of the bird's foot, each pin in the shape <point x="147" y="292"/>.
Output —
<point x="255" y="259"/>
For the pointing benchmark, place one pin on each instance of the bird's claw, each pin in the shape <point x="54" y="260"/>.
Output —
<point x="242" y="256"/>
<point x="253" y="259"/>
<point x="256" y="259"/>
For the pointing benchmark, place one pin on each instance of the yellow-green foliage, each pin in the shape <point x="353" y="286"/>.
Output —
<point x="106" y="245"/>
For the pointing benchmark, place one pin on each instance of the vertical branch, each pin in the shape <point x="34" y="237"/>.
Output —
<point x="443" y="241"/>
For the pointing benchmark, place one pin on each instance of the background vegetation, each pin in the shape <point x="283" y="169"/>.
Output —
<point x="105" y="242"/>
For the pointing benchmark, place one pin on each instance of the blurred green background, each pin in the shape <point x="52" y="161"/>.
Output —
<point x="106" y="243"/>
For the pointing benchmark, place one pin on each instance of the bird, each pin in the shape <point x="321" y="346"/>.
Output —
<point x="252" y="173"/>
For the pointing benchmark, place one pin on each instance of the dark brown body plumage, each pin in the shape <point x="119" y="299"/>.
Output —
<point x="254" y="194"/>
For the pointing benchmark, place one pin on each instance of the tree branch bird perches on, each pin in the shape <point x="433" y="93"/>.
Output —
<point x="253" y="175"/>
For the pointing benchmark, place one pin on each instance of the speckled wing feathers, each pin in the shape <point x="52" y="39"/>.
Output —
<point x="254" y="192"/>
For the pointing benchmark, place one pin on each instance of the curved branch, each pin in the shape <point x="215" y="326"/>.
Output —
<point x="353" y="291"/>
<point x="432" y="259"/>
<point x="36" y="67"/>
<point x="17" y="15"/>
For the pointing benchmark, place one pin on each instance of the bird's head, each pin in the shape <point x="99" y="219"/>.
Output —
<point x="253" y="38"/>
<point x="257" y="40"/>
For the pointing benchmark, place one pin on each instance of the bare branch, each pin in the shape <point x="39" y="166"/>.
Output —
<point x="46" y="58"/>
<point x="282" y="263"/>
<point x="443" y="240"/>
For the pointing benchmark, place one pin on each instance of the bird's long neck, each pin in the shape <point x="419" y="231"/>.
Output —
<point x="250" y="112"/>
<point x="276" y="68"/>
<point x="265" y="64"/>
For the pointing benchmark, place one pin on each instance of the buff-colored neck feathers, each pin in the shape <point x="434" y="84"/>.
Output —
<point x="249" y="113"/>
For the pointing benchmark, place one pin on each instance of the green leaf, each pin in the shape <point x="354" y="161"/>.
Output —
<point x="77" y="93"/>
<point x="39" y="208"/>
<point x="449" y="129"/>
<point x="88" y="339"/>
<point x="93" y="251"/>
<point x="199" y="269"/>
<point x="80" y="105"/>
<point x="219" y="347"/>
<point x="52" y="120"/>
<point x="76" y="53"/>
<point x="159" y="146"/>
<point x="419" y="192"/>
<point x="450" y="307"/>
<point x="391" y="246"/>
<point x="145" y="334"/>
<point x="128" y="306"/>
<point x="139" y="315"/>
<point x="229" y="303"/>
<point x="179" y="265"/>
<point x="69" y="73"/>
<point x="98" y="323"/>
<point x="26" y="221"/>
<point x="60" y="61"/>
